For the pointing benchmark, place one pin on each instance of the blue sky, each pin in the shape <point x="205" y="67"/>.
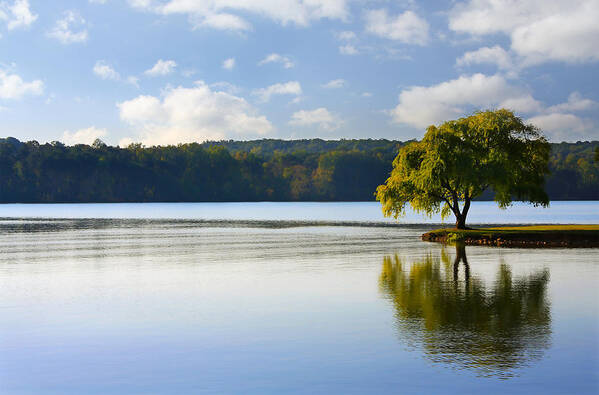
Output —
<point x="172" y="71"/>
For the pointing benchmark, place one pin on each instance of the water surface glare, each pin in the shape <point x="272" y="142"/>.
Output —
<point x="270" y="306"/>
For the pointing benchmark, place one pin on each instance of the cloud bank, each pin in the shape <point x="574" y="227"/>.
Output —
<point x="191" y="115"/>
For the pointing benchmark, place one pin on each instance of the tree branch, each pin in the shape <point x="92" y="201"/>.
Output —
<point x="442" y="198"/>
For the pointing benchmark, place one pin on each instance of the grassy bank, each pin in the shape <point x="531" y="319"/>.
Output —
<point x="579" y="236"/>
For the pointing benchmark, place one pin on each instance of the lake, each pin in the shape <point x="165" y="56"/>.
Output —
<point x="289" y="298"/>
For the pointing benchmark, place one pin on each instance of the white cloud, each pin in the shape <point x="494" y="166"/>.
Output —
<point x="524" y="103"/>
<point x="188" y="73"/>
<point x="133" y="80"/>
<point x="489" y="55"/>
<point x="346" y="36"/>
<point x="64" y="29"/>
<point x="83" y="136"/>
<point x="105" y="71"/>
<point x="565" y="127"/>
<point x="220" y="14"/>
<point x="225" y="86"/>
<point x="125" y="142"/>
<point x="407" y="27"/>
<point x="229" y="64"/>
<point x="12" y="86"/>
<point x="162" y="67"/>
<point x="348" y="50"/>
<point x="540" y="30"/>
<point x="221" y="21"/>
<point x="349" y="38"/>
<point x="16" y="14"/>
<point x="142" y="4"/>
<point x="421" y="106"/>
<point x="488" y="16"/>
<point x="142" y="109"/>
<point x="335" y="84"/>
<point x="276" y="58"/>
<point x="288" y="88"/>
<point x="560" y="124"/>
<point x="321" y="117"/>
<point x="575" y="103"/>
<point x="97" y="1"/>
<point x="191" y="114"/>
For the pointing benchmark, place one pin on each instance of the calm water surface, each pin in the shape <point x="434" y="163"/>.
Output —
<point x="286" y="298"/>
<point x="586" y="212"/>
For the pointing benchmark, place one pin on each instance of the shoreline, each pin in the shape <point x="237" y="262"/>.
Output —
<point x="546" y="236"/>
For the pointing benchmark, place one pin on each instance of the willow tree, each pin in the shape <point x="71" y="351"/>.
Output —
<point x="457" y="161"/>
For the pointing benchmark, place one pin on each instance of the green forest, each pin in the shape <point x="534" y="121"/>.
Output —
<point x="258" y="170"/>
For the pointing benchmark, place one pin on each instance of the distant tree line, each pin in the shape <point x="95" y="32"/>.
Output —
<point x="273" y="170"/>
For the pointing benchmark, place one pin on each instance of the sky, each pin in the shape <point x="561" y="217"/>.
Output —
<point x="174" y="71"/>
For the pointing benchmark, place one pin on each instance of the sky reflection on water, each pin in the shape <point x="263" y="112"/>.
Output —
<point x="171" y="306"/>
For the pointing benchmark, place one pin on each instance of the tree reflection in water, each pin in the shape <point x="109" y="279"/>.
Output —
<point x="492" y="329"/>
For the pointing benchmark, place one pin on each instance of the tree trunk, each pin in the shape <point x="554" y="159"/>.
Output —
<point x="460" y="221"/>
<point x="460" y="217"/>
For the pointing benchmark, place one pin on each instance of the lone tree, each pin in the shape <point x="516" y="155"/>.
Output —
<point x="458" y="160"/>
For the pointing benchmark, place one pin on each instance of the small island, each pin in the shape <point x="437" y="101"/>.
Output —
<point x="565" y="236"/>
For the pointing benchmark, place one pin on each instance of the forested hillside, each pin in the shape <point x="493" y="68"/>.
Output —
<point x="277" y="170"/>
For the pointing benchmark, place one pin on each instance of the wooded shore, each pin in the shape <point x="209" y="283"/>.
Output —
<point x="237" y="171"/>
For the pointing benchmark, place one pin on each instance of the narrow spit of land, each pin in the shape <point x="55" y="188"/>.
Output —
<point x="570" y="236"/>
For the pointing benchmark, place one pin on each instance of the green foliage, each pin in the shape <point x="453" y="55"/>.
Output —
<point x="30" y="172"/>
<point x="455" y="237"/>
<point x="457" y="161"/>
<point x="275" y="170"/>
<point x="574" y="171"/>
